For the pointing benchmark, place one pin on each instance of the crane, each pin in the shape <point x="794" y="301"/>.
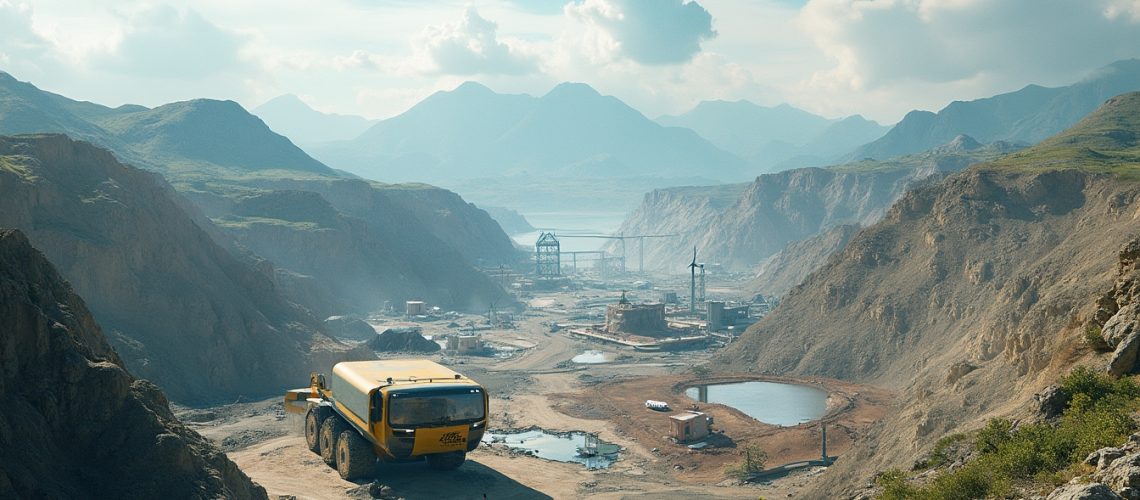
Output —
<point x="622" y="237"/>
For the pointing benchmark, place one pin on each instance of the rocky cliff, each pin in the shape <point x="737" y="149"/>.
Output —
<point x="75" y="423"/>
<point x="796" y="261"/>
<point x="781" y="208"/>
<point x="969" y="295"/>
<point x="181" y="310"/>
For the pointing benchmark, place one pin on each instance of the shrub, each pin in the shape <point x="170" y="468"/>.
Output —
<point x="1098" y="415"/>
<point x="701" y="371"/>
<point x="1094" y="338"/>
<point x="754" y="460"/>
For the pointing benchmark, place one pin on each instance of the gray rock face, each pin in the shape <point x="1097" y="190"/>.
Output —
<point x="75" y="423"/>
<point x="1120" y="325"/>
<point x="1123" y="472"/>
<point x="1051" y="402"/>
<point x="1094" y="491"/>
<point x="1123" y="359"/>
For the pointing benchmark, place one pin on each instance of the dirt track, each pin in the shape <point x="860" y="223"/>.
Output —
<point x="540" y="387"/>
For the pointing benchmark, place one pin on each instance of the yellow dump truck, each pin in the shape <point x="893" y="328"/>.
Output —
<point x="394" y="410"/>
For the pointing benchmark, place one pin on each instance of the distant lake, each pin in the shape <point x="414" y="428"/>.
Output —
<point x="565" y="224"/>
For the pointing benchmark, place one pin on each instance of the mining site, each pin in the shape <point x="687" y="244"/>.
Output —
<point x="578" y="362"/>
<point x="616" y="249"/>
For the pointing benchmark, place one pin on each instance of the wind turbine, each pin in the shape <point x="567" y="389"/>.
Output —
<point x="693" y="283"/>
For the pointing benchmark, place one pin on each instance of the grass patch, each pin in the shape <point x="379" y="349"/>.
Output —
<point x="1032" y="455"/>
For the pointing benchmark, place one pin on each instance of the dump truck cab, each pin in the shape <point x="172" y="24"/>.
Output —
<point x="394" y="410"/>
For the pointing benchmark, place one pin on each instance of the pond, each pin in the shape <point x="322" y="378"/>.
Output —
<point x="768" y="402"/>
<point x="568" y="447"/>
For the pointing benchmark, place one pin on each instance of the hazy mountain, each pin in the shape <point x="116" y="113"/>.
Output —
<point x="970" y="295"/>
<point x="474" y="132"/>
<point x="290" y="116"/>
<point x="219" y="133"/>
<point x="219" y="156"/>
<point x="1028" y="115"/>
<point x="775" y="138"/>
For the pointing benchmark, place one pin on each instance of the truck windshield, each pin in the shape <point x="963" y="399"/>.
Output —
<point x="435" y="407"/>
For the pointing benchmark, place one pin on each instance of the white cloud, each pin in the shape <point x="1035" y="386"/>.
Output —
<point x="164" y="42"/>
<point x="880" y="43"/>
<point x="652" y="32"/>
<point x="471" y="47"/>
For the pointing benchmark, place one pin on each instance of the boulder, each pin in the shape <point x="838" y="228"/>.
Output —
<point x="1123" y="359"/>
<point x="1103" y="457"/>
<point x="1051" y="402"/>
<point x="1124" y="472"/>
<point x="1120" y="325"/>
<point x="1093" y="491"/>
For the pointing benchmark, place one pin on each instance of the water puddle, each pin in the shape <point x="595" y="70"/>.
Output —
<point x="768" y="402"/>
<point x="592" y="358"/>
<point x="568" y="447"/>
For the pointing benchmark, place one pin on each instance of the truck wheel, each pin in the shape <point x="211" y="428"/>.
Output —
<point x="354" y="456"/>
<point x="313" y="420"/>
<point x="447" y="461"/>
<point x="330" y="430"/>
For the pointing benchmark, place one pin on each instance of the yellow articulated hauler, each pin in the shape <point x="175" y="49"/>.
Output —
<point x="394" y="410"/>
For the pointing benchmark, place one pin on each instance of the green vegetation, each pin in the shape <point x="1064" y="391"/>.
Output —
<point x="237" y="222"/>
<point x="1038" y="454"/>
<point x="944" y="450"/>
<point x="1094" y="338"/>
<point x="754" y="460"/>
<point x="16" y="166"/>
<point x="1106" y="141"/>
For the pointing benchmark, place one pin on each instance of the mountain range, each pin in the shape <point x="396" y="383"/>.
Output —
<point x="218" y="156"/>
<point x="1028" y="115"/>
<point x="290" y="116"/>
<point x="776" y="138"/>
<point x="473" y="132"/>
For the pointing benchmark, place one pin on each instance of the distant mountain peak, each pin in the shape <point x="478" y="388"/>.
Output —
<point x="472" y="87"/>
<point x="571" y="89"/>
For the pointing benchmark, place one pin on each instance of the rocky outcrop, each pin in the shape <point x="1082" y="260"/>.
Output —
<point x="1121" y="306"/>
<point x="1083" y="491"/>
<point x="75" y="423"/>
<point x="180" y="310"/>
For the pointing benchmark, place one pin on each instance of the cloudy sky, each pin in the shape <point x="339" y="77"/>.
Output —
<point x="376" y="58"/>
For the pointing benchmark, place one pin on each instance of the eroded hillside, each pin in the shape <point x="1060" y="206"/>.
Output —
<point x="969" y="296"/>
<point x="181" y="310"/>
<point x="75" y="423"/>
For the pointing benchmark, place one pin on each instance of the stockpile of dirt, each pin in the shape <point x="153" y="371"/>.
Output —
<point x="403" y="340"/>
<point x="75" y="423"/>
<point x="347" y="327"/>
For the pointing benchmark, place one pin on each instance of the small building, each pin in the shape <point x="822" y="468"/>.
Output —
<point x="715" y="315"/>
<point x="670" y="298"/>
<point x="689" y="426"/>
<point x="637" y="319"/>
<point x="464" y="344"/>
<point x="415" y="308"/>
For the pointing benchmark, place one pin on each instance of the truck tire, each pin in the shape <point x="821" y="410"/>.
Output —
<point x="354" y="456"/>
<point x="330" y="430"/>
<point x="447" y="461"/>
<point x="313" y="420"/>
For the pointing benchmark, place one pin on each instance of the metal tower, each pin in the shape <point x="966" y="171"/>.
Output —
<point x="547" y="256"/>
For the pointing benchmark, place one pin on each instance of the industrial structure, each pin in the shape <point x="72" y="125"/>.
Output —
<point x="547" y="256"/>
<point x="637" y="319"/>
